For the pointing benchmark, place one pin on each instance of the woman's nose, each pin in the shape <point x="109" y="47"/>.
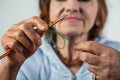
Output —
<point x="72" y="6"/>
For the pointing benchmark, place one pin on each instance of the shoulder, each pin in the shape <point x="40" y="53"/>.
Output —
<point x="35" y="67"/>
<point x="32" y="67"/>
<point x="110" y="43"/>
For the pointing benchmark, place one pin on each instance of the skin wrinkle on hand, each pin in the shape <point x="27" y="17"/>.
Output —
<point x="39" y="32"/>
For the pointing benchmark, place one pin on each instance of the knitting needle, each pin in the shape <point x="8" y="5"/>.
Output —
<point x="49" y="25"/>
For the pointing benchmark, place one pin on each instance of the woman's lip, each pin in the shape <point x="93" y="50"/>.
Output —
<point x="72" y="19"/>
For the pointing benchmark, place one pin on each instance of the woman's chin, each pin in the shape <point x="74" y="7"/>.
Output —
<point x="72" y="34"/>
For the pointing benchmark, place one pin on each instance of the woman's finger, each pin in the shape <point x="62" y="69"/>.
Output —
<point x="90" y="58"/>
<point x="36" y="21"/>
<point x="31" y="35"/>
<point x="92" y="47"/>
<point x="10" y="42"/>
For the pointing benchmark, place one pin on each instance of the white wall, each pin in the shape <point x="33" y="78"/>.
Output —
<point x="14" y="11"/>
<point x="112" y="27"/>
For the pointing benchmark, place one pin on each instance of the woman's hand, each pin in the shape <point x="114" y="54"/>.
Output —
<point x="102" y="60"/>
<point x="23" y="39"/>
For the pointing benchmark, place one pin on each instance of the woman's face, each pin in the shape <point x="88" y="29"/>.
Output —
<point x="81" y="15"/>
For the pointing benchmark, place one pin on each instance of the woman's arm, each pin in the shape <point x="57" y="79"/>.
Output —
<point x="102" y="60"/>
<point x="24" y="41"/>
<point x="7" y="71"/>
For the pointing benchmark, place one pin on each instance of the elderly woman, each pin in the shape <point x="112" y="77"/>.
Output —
<point x="90" y="53"/>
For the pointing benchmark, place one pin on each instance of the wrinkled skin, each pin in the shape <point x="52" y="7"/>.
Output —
<point x="20" y="38"/>
<point x="24" y="41"/>
<point x="102" y="60"/>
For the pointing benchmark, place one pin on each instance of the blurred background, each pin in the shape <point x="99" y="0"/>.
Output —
<point x="14" y="11"/>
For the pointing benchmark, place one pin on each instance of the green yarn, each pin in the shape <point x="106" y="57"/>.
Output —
<point x="55" y="31"/>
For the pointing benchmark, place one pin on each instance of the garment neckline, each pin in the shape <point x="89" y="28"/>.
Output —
<point x="55" y="59"/>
